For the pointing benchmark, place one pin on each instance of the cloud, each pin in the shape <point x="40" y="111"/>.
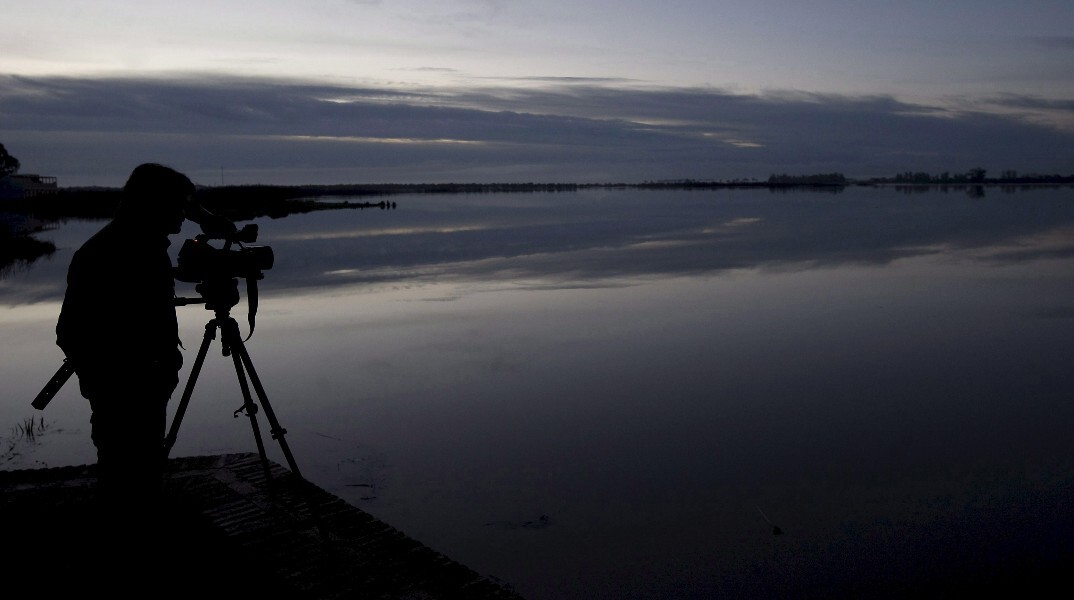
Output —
<point x="1020" y="101"/>
<point x="283" y="131"/>
<point x="1056" y="42"/>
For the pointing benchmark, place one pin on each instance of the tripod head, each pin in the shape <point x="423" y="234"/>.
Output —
<point x="219" y="294"/>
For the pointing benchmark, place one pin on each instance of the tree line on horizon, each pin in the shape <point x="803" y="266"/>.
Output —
<point x="975" y="176"/>
<point x="9" y="165"/>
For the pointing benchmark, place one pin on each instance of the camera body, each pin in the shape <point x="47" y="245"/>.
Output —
<point x="199" y="261"/>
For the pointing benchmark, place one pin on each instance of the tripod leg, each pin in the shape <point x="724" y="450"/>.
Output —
<point x="210" y="334"/>
<point x="242" y="361"/>
<point x="276" y="430"/>
<point x="233" y="342"/>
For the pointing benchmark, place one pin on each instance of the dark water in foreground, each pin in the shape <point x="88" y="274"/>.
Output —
<point x="620" y="393"/>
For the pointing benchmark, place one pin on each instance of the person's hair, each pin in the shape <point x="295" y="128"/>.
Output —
<point x="149" y="186"/>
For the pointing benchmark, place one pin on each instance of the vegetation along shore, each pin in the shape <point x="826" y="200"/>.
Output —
<point x="21" y="218"/>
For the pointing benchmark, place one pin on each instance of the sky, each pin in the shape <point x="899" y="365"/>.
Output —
<point x="588" y="91"/>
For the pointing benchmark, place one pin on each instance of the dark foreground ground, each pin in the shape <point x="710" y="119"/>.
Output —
<point x="228" y="531"/>
<point x="225" y="529"/>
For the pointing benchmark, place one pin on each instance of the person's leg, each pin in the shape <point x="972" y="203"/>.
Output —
<point x="128" y="430"/>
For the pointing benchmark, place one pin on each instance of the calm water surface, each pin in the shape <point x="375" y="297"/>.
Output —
<point x="619" y="393"/>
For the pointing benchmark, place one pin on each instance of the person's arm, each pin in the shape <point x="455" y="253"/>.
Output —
<point x="211" y="223"/>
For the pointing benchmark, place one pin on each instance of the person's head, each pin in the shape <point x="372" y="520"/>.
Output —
<point x="156" y="197"/>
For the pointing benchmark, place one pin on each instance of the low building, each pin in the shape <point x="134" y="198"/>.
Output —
<point x="27" y="186"/>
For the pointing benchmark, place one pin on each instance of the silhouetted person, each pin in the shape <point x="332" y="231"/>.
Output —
<point x="118" y="329"/>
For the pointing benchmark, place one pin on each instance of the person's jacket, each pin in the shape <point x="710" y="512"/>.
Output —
<point x="118" y="323"/>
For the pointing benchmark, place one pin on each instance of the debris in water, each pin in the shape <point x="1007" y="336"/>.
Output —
<point x="775" y="528"/>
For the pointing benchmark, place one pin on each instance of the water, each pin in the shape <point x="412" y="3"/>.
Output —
<point x="619" y="393"/>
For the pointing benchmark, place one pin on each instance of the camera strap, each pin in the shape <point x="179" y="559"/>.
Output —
<point x="251" y="302"/>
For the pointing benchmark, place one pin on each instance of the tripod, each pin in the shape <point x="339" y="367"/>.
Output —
<point x="220" y="295"/>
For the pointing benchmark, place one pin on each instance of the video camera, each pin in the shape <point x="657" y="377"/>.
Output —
<point x="199" y="261"/>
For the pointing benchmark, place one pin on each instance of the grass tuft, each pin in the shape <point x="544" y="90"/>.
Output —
<point x="23" y="433"/>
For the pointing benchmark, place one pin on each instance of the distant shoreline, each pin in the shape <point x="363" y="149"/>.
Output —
<point x="244" y="202"/>
<point x="247" y="202"/>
